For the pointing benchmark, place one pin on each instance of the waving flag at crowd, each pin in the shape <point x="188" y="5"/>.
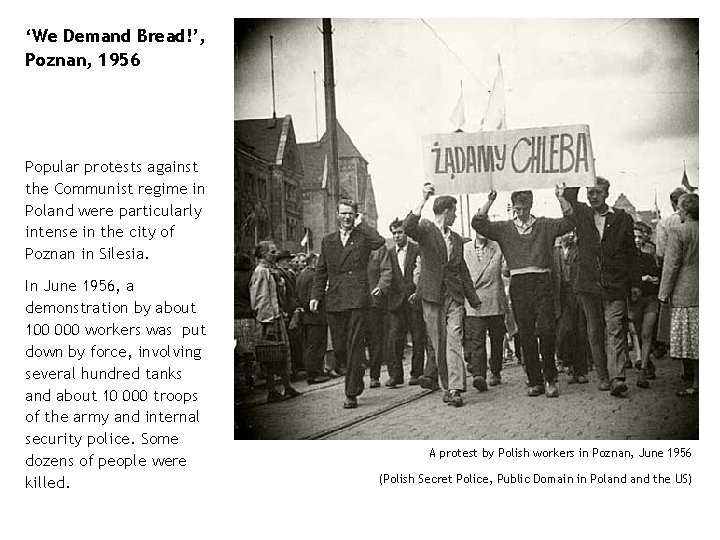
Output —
<point x="458" y="115"/>
<point x="494" y="118"/>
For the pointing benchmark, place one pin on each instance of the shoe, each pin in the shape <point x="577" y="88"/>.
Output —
<point x="427" y="383"/>
<point x="642" y="381"/>
<point x="480" y="384"/>
<point x="581" y="379"/>
<point x="688" y="392"/>
<point x="446" y="396"/>
<point x="334" y="373"/>
<point x="573" y="380"/>
<point x="551" y="390"/>
<point x="319" y="379"/>
<point x="392" y="383"/>
<point x="414" y="381"/>
<point x="350" y="403"/>
<point x="274" y="396"/>
<point x="495" y="380"/>
<point x="374" y="383"/>
<point x="604" y="385"/>
<point x="536" y="390"/>
<point x="290" y="392"/>
<point x="618" y="388"/>
<point x="455" y="399"/>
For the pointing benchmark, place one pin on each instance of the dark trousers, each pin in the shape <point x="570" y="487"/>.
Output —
<point x="296" y="349"/>
<point x="347" y="330"/>
<point x="534" y="309"/>
<point x="476" y="330"/>
<point x="572" y="332"/>
<point x="375" y="336"/>
<point x="400" y="321"/>
<point x="314" y="343"/>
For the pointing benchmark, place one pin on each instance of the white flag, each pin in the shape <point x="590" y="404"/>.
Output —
<point x="325" y="174"/>
<point x="494" y="118"/>
<point x="458" y="115"/>
<point x="304" y="241"/>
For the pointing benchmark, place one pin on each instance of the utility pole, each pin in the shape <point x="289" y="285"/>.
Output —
<point x="317" y="136"/>
<point x="331" y="118"/>
<point x="272" y="75"/>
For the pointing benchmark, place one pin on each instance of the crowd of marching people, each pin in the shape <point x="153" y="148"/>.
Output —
<point x="569" y="294"/>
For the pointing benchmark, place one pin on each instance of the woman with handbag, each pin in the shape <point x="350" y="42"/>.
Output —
<point x="272" y="345"/>
<point x="679" y="286"/>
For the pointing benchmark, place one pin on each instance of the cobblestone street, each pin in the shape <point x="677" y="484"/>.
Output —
<point x="503" y="412"/>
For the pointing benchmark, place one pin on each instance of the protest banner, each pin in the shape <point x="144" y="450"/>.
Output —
<point x="509" y="160"/>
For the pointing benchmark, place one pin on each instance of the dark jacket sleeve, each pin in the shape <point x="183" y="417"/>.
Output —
<point x="375" y="240"/>
<point x="412" y="227"/>
<point x="385" y="270"/>
<point x="321" y="277"/>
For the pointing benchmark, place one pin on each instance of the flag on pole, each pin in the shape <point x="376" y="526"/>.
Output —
<point x="656" y="208"/>
<point x="495" y="113"/>
<point x="325" y="173"/>
<point x="305" y="239"/>
<point x="457" y="118"/>
<point x="686" y="183"/>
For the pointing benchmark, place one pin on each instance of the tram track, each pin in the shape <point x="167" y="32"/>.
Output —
<point x="368" y="417"/>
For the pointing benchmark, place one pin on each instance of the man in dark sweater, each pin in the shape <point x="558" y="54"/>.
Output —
<point x="527" y="243"/>
<point x="608" y="272"/>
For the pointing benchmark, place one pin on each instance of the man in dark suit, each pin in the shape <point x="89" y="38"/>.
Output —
<point x="571" y="326"/>
<point x="444" y="285"/>
<point x="403" y="314"/>
<point x="379" y="277"/>
<point x="343" y="269"/>
<point x="608" y="274"/>
<point x="314" y="325"/>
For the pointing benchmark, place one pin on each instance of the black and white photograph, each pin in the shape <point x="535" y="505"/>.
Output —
<point x="466" y="229"/>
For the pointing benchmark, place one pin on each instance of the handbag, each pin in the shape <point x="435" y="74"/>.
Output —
<point x="663" y="327"/>
<point x="270" y="346"/>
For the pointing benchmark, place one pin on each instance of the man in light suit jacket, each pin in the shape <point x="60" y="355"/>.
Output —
<point x="484" y="261"/>
<point x="403" y="313"/>
<point x="342" y="268"/>
<point x="444" y="285"/>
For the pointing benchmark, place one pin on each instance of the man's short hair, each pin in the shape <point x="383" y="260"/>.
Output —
<point x="350" y="203"/>
<point x="442" y="203"/>
<point x="690" y="203"/>
<point x="525" y="196"/>
<point x="675" y="195"/>
<point x="603" y="183"/>
<point x="397" y="223"/>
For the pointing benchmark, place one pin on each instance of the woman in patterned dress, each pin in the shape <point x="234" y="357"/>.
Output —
<point x="679" y="286"/>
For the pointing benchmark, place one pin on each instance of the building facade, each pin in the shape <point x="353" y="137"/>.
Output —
<point x="318" y="194"/>
<point x="268" y="180"/>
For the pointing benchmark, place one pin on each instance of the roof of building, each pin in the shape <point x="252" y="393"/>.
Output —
<point x="312" y="155"/>
<point x="623" y="202"/>
<point x="262" y="135"/>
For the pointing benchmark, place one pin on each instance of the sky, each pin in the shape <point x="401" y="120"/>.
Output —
<point x="635" y="82"/>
